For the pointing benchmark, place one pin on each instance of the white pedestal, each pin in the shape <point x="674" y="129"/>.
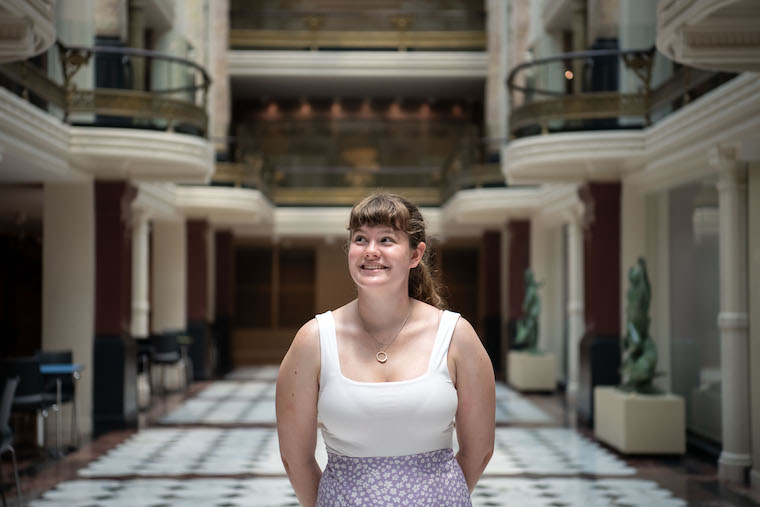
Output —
<point x="640" y="423"/>
<point x="531" y="372"/>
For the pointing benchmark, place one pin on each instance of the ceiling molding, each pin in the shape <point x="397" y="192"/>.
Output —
<point x="347" y="64"/>
<point x="27" y="28"/>
<point x="721" y="35"/>
<point x="147" y="155"/>
<point x="224" y="206"/>
<point x="571" y="157"/>
<point x="34" y="144"/>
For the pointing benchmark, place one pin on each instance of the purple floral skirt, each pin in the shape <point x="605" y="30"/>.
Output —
<point x="432" y="478"/>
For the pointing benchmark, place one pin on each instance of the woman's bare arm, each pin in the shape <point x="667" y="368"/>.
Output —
<point x="475" y="417"/>
<point x="296" y="406"/>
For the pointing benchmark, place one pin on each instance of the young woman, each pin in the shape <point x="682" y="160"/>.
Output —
<point x="387" y="378"/>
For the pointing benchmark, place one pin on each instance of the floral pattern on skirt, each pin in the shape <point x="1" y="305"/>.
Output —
<point x="432" y="478"/>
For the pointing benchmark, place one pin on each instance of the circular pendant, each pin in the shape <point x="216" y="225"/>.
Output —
<point x="381" y="357"/>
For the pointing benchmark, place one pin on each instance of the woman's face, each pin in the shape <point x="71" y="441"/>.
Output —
<point x="379" y="255"/>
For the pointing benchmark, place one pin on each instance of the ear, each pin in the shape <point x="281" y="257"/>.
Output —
<point x="417" y="254"/>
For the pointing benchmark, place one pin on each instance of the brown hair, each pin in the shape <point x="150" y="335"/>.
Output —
<point x="396" y="212"/>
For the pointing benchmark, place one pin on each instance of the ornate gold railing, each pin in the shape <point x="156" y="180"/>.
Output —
<point x="151" y="89"/>
<point x="332" y="186"/>
<point x="583" y="91"/>
<point x="561" y="92"/>
<point x="460" y="29"/>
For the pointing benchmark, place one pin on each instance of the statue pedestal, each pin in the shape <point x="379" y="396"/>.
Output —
<point x="640" y="423"/>
<point x="531" y="372"/>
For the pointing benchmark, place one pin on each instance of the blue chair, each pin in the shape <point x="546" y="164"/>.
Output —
<point x="6" y="433"/>
<point x="68" y="388"/>
<point x="30" y="393"/>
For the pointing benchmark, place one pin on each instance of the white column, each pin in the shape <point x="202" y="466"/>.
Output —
<point x="575" y="305"/>
<point x="68" y="281"/>
<point x="496" y="88"/>
<point x="169" y="276"/>
<point x="140" y="269"/>
<point x="733" y="321"/>
<point x="753" y="201"/>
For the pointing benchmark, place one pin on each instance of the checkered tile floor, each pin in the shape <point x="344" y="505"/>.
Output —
<point x="251" y="403"/>
<point x="276" y="492"/>
<point x="237" y="462"/>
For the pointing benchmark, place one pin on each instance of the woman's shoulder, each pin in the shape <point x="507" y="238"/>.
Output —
<point x="307" y="337"/>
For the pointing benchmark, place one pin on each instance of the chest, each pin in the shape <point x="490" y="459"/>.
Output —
<point x="408" y="357"/>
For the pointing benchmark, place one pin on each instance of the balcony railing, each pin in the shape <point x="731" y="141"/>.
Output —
<point x="601" y="90"/>
<point x="133" y="88"/>
<point x="430" y="29"/>
<point x="342" y="185"/>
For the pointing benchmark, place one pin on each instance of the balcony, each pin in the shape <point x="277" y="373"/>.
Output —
<point x="606" y="89"/>
<point x="344" y="25"/>
<point x="105" y="112"/>
<point x="133" y="88"/>
<point x="331" y="152"/>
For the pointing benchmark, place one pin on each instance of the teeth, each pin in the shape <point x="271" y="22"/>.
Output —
<point x="373" y="267"/>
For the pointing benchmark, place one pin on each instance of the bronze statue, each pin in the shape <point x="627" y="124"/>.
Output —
<point x="527" y="327"/>
<point x="639" y="350"/>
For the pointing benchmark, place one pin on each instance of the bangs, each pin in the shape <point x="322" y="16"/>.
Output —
<point x="381" y="209"/>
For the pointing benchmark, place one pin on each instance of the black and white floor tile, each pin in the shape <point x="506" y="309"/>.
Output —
<point x="238" y="463"/>
<point x="276" y="492"/>
<point x="251" y="402"/>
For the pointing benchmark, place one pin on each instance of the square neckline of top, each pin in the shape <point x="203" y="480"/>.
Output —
<point x="426" y="374"/>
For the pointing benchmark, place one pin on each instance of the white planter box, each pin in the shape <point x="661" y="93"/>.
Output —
<point x="531" y="372"/>
<point x="640" y="423"/>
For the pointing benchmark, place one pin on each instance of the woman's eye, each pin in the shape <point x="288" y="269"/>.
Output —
<point x="359" y="239"/>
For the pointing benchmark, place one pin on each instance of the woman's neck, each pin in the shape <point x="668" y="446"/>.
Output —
<point x="381" y="312"/>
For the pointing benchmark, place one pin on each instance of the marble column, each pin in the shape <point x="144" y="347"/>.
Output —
<point x="140" y="273"/>
<point x="498" y="67"/>
<point x="197" y="299"/>
<point x="137" y="41"/>
<point x="575" y="305"/>
<point x="224" y="287"/>
<point x="490" y="277"/>
<point x="115" y="352"/>
<point x="169" y="282"/>
<point x="733" y="320"/>
<point x="68" y="283"/>
<point x="580" y="14"/>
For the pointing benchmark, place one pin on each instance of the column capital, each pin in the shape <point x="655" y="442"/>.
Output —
<point x="574" y="213"/>
<point x="724" y="158"/>
<point x="140" y="216"/>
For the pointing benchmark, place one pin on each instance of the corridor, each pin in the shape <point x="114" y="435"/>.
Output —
<point x="219" y="448"/>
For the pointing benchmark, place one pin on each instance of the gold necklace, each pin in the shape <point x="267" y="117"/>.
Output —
<point x="381" y="355"/>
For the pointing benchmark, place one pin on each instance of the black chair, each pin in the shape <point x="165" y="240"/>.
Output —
<point x="68" y="386"/>
<point x="165" y="352"/>
<point x="6" y="434"/>
<point x="30" y="393"/>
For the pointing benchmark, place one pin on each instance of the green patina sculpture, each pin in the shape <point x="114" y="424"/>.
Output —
<point x="639" y="351"/>
<point x="527" y="327"/>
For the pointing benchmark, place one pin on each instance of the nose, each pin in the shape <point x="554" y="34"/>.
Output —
<point x="371" y="250"/>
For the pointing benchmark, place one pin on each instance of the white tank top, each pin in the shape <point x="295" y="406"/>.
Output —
<point x="365" y="419"/>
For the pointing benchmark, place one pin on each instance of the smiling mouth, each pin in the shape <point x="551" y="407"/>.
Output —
<point x="373" y="267"/>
